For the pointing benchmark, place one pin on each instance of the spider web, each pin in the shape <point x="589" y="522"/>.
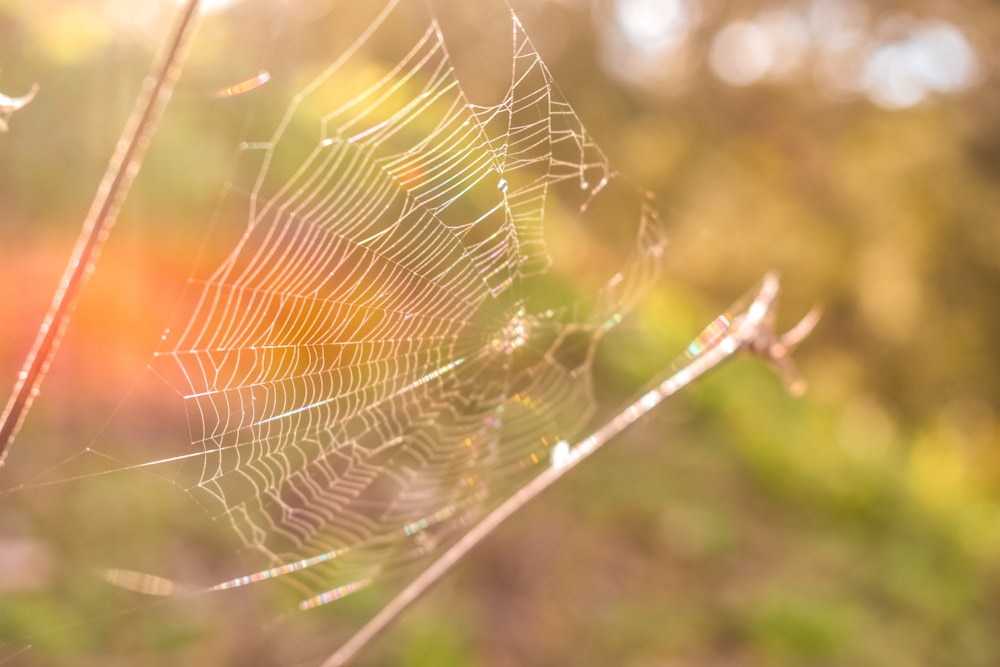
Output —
<point x="377" y="361"/>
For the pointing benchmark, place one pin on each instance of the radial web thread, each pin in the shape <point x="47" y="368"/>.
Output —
<point x="369" y="369"/>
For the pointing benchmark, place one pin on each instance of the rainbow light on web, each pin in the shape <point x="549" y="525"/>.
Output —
<point x="281" y="570"/>
<point x="334" y="594"/>
<point x="414" y="527"/>
<point x="245" y="86"/>
<point x="720" y="327"/>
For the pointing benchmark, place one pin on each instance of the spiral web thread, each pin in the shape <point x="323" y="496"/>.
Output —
<point x="368" y="370"/>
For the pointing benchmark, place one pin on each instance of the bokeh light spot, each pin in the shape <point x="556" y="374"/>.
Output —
<point x="655" y="25"/>
<point x="934" y="59"/>
<point x="741" y="54"/>
<point x="789" y="37"/>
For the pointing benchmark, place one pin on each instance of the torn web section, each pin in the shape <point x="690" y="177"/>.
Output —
<point x="376" y="361"/>
<point x="540" y="142"/>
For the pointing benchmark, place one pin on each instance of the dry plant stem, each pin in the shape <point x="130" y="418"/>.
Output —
<point x="752" y="330"/>
<point x="121" y="171"/>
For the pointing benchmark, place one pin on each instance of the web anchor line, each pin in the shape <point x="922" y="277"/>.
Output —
<point x="751" y="330"/>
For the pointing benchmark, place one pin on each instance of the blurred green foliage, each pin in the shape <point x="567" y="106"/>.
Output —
<point x="859" y="525"/>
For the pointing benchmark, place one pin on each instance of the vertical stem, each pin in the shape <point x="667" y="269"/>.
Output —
<point x="122" y="168"/>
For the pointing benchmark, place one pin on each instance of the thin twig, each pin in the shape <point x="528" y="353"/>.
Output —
<point x="8" y="105"/>
<point x="121" y="171"/>
<point x="751" y="330"/>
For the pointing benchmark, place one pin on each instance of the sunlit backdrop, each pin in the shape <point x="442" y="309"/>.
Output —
<point x="852" y="146"/>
